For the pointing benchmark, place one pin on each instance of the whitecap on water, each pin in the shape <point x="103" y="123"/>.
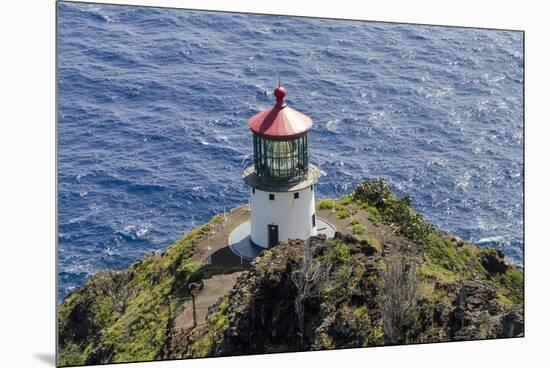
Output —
<point x="464" y="181"/>
<point x="332" y="125"/>
<point x="136" y="231"/>
<point x="490" y="239"/>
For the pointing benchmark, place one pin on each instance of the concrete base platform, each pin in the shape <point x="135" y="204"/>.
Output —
<point x="240" y="243"/>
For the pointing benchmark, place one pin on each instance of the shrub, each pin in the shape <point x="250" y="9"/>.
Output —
<point x="376" y="196"/>
<point x="341" y="252"/>
<point x="375" y="192"/>
<point x="358" y="229"/>
<point x="337" y="252"/>
<point x="355" y="221"/>
<point x="342" y="213"/>
<point x="326" y="204"/>
<point x="345" y="200"/>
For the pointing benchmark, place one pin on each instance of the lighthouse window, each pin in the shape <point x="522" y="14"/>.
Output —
<point x="253" y="190"/>
<point x="272" y="197"/>
<point x="313" y="220"/>
<point x="296" y="195"/>
<point x="280" y="159"/>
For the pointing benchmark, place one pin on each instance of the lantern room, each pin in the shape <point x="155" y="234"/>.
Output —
<point x="280" y="142"/>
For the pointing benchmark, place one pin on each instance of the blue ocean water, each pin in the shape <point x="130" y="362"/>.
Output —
<point x="153" y="105"/>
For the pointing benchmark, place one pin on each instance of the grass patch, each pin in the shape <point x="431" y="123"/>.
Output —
<point x="345" y="200"/>
<point x="511" y="283"/>
<point x="338" y="252"/>
<point x="342" y="213"/>
<point x="372" y="334"/>
<point x="136" y="329"/>
<point x="442" y="252"/>
<point x="375" y="216"/>
<point x="217" y="323"/>
<point x="429" y="293"/>
<point x="437" y="273"/>
<point x="503" y="300"/>
<point x="326" y="204"/>
<point x="358" y="229"/>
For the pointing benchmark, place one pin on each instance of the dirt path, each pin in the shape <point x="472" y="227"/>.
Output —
<point x="216" y="241"/>
<point x="214" y="289"/>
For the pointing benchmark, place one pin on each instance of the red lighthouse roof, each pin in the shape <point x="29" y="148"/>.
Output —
<point x="280" y="121"/>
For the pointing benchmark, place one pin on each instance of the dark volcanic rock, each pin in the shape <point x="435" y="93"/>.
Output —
<point x="494" y="262"/>
<point x="512" y="322"/>
<point x="477" y="314"/>
<point x="346" y="238"/>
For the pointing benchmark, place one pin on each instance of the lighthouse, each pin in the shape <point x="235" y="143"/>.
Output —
<point x="282" y="181"/>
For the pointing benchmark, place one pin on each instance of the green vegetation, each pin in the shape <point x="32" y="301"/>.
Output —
<point x="217" y="322"/>
<point x="441" y="254"/>
<point x="428" y="292"/>
<point x="510" y="284"/>
<point x="326" y="204"/>
<point x="338" y="252"/>
<point x="437" y="273"/>
<point x="461" y="261"/>
<point x="345" y="200"/>
<point x="126" y="312"/>
<point x="71" y="355"/>
<point x="376" y="194"/>
<point x="375" y="216"/>
<point x="358" y="229"/>
<point x="373" y="334"/>
<point x="342" y="213"/>
<point x="327" y="342"/>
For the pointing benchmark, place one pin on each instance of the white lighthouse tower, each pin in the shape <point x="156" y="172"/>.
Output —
<point x="282" y="182"/>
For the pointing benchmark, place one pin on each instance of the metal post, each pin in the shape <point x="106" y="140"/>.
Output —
<point x="194" y="312"/>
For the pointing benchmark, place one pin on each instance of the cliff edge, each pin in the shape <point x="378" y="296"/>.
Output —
<point x="387" y="277"/>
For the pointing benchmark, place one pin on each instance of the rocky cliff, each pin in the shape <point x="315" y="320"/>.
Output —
<point x="387" y="277"/>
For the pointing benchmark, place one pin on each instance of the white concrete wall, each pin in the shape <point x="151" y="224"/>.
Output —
<point x="293" y="216"/>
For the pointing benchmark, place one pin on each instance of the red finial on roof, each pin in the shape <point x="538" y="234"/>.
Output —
<point x="280" y="93"/>
<point x="280" y="121"/>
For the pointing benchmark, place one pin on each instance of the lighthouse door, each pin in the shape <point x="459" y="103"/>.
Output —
<point x="272" y="235"/>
